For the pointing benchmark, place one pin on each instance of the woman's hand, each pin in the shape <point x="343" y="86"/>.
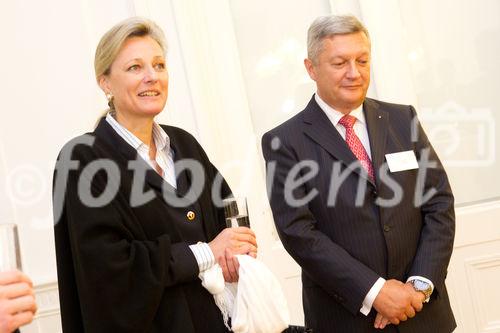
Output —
<point x="17" y="301"/>
<point x="230" y="242"/>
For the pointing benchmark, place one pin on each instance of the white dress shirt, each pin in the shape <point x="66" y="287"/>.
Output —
<point x="165" y="159"/>
<point x="359" y="126"/>
<point x="164" y="154"/>
<point x="361" y="130"/>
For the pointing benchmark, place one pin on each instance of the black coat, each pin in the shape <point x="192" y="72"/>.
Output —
<point x="128" y="268"/>
<point x="344" y="249"/>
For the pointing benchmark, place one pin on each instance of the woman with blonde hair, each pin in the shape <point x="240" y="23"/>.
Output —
<point x="137" y="206"/>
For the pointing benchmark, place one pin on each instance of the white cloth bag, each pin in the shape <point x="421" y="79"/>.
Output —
<point x="256" y="304"/>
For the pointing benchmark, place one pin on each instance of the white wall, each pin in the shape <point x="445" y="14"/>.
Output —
<point x="49" y="95"/>
<point x="439" y="56"/>
<point x="236" y="70"/>
<point x="451" y="48"/>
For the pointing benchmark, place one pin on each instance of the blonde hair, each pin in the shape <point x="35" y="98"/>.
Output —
<point x="112" y="41"/>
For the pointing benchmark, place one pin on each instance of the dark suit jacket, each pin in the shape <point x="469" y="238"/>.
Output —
<point x="129" y="269"/>
<point x="344" y="249"/>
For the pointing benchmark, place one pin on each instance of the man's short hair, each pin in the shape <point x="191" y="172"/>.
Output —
<point x="328" y="26"/>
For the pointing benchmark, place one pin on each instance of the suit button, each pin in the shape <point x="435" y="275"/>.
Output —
<point x="190" y="215"/>
<point x="387" y="228"/>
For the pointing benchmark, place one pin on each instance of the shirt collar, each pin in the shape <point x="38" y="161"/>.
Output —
<point x="335" y="115"/>
<point x="160" y="137"/>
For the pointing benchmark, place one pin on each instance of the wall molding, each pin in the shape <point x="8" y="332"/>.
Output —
<point x="474" y="267"/>
<point x="48" y="316"/>
<point x="47" y="297"/>
<point x="467" y="231"/>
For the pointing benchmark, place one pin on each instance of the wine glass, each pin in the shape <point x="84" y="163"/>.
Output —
<point x="236" y="212"/>
<point x="10" y="256"/>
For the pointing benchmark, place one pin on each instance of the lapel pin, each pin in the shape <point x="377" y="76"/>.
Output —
<point x="190" y="215"/>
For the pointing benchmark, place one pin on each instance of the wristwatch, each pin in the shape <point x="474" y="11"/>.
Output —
<point x="423" y="287"/>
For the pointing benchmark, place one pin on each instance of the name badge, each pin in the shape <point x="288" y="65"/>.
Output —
<point x="405" y="160"/>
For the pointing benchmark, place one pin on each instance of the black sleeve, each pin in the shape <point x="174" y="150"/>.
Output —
<point x="120" y="276"/>
<point x="330" y="266"/>
<point x="438" y="232"/>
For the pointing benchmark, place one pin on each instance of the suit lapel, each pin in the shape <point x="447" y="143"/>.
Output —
<point x="183" y="177"/>
<point x="184" y="181"/>
<point x="319" y="128"/>
<point x="377" y="121"/>
<point x="105" y="132"/>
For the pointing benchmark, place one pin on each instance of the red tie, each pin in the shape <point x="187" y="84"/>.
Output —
<point x="355" y="144"/>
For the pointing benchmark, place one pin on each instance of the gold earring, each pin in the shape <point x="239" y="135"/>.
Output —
<point x="110" y="98"/>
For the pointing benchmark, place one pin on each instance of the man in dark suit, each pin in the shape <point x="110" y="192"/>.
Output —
<point x="360" y="198"/>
